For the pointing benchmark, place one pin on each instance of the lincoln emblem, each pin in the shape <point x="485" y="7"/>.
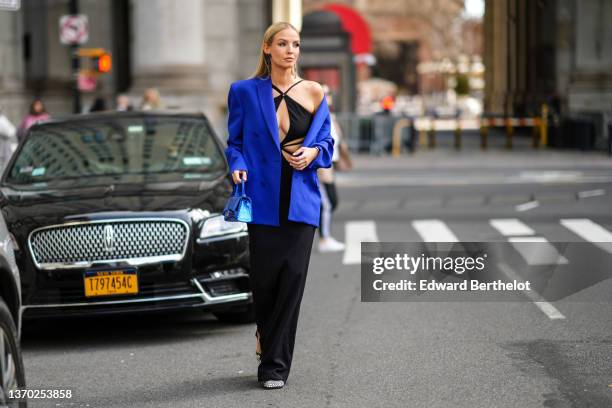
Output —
<point x="109" y="238"/>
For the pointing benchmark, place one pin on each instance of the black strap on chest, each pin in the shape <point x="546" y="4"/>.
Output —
<point x="282" y="94"/>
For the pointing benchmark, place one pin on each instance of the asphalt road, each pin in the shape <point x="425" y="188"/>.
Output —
<point x="403" y="354"/>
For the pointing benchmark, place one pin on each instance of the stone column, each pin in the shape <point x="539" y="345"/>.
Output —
<point x="13" y="98"/>
<point x="496" y="55"/>
<point x="590" y="85"/>
<point x="169" y="49"/>
<point x="289" y="11"/>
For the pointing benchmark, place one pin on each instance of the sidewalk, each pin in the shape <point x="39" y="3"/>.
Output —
<point x="447" y="167"/>
<point x="490" y="159"/>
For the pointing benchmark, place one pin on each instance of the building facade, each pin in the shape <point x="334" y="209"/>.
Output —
<point x="191" y="50"/>
<point x="554" y="51"/>
<point x="406" y="33"/>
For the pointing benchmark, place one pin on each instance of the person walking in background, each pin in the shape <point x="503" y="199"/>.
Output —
<point x="278" y="137"/>
<point x="327" y="188"/>
<point x="151" y="100"/>
<point x="123" y="103"/>
<point x="37" y="113"/>
<point x="98" y="105"/>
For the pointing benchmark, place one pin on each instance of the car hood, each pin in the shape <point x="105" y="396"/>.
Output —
<point x="25" y="209"/>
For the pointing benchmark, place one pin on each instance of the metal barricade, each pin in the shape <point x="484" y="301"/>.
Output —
<point x="377" y="134"/>
<point x="350" y="124"/>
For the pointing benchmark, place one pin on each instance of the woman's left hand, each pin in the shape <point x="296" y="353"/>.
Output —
<point x="303" y="157"/>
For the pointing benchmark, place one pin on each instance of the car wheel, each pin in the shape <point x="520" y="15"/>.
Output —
<point x="242" y="315"/>
<point x="12" y="375"/>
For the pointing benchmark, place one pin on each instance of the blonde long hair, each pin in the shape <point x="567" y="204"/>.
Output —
<point x="263" y="65"/>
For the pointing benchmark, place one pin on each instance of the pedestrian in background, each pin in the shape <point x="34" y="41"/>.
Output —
<point x="98" y="105"/>
<point x="151" y="100"/>
<point x="37" y="113"/>
<point x="122" y="102"/>
<point x="327" y="188"/>
<point x="278" y="137"/>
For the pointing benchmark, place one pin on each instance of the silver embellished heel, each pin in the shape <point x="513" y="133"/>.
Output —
<point x="273" y="384"/>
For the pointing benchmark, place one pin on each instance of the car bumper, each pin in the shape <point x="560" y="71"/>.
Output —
<point x="214" y="276"/>
<point x="200" y="297"/>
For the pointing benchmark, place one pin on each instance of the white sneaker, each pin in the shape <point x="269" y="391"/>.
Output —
<point x="329" y="244"/>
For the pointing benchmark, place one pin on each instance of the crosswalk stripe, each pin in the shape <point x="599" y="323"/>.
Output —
<point x="357" y="232"/>
<point x="434" y="231"/>
<point x="530" y="205"/>
<point x="590" y="231"/>
<point x="519" y="234"/>
<point x="548" y="309"/>
<point x="511" y="227"/>
<point x="543" y="253"/>
<point x="591" y="193"/>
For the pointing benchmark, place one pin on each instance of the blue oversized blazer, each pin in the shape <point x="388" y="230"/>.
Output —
<point x="254" y="145"/>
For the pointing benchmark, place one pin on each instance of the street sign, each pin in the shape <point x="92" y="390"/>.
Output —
<point x="87" y="81"/>
<point x="74" y="29"/>
<point x="10" y="5"/>
<point x="90" y="52"/>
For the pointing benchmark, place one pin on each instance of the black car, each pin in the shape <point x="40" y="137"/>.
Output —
<point x="120" y="212"/>
<point x="12" y="377"/>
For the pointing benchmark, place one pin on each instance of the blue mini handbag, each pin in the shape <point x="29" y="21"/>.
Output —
<point x="238" y="207"/>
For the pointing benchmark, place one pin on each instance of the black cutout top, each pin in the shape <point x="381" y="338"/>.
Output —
<point x="300" y="119"/>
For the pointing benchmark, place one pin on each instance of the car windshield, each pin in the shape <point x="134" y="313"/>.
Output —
<point x="160" y="148"/>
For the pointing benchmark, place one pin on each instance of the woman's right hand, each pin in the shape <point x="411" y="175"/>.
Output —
<point x="239" y="175"/>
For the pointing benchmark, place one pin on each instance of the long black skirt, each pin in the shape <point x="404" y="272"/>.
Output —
<point x="279" y="265"/>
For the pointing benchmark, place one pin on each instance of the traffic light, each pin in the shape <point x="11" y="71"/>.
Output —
<point x="387" y="103"/>
<point x="103" y="63"/>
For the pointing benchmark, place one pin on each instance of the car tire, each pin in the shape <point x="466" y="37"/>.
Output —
<point x="238" y="315"/>
<point x="11" y="358"/>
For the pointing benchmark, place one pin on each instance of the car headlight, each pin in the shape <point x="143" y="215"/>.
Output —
<point x="215" y="226"/>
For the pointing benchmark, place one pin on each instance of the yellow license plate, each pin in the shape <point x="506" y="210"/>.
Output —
<point x="111" y="282"/>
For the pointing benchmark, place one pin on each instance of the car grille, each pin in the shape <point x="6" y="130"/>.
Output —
<point x="134" y="241"/>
